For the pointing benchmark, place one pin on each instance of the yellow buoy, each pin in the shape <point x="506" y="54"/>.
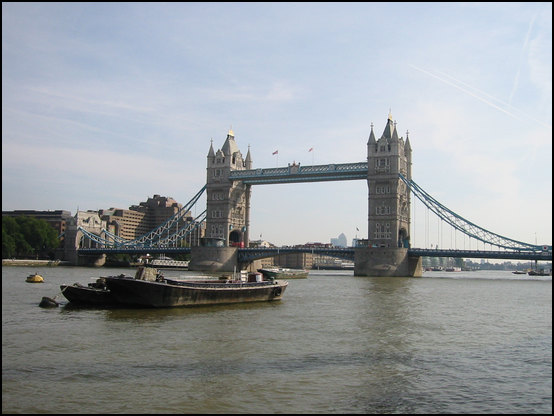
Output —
<point x="34" y="278"/>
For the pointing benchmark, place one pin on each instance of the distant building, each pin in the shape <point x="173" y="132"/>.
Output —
<point x="340" y="241"/>
<point x="125" y="223"/>
<point x="260" y="243"/>
<point x="295" y="260"/>
<point x="146" y="216"/>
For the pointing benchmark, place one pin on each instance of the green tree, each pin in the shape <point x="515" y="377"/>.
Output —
<point x="27" y="237"/>
<point x="8" y="245"/>
<point x="22" y="247"/>
<point x="9" y="224"/>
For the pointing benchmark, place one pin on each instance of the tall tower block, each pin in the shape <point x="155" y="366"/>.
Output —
<point x="388" y="207"/>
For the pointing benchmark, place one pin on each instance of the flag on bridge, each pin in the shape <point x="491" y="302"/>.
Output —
<point x="311" y="148"/>
<point x="275" y="152"/>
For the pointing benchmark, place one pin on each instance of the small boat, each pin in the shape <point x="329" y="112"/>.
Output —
<point x="519" y="272"/>
<point x="284" y="273"/>
<point x="153" y="290"/>
<point x="92" y="294"/>
<point x="34" y="278"/>
<point x="539" y="272"/>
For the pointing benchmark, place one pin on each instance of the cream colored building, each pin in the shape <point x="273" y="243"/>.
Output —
<point x="140" y="219"/>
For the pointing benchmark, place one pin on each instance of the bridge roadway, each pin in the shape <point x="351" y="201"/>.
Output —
<point x="250" y="254"/>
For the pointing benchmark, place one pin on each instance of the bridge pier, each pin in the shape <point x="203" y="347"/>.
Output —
<point x="75" y="259"/>
<point x="214" y="259"/>
<point x="386" y="262"/>
<point x="91" y="260"/>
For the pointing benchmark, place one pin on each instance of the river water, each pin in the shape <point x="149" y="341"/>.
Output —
<point x="449" y="342"/>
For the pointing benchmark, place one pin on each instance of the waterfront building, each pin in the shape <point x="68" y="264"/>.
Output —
<point x="295" y="260"/>
<point x="125" y="223"/>
<point x="142" y="218"/>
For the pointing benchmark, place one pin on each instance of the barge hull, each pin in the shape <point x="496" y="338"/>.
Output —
<point x="163" y="294"/>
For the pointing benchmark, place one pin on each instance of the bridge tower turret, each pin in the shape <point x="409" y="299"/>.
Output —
<point x="228" y="202"/>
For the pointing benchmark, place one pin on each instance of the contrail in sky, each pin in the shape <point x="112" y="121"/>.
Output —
<point x="511" y="107"/>
<point x="516" y="80"/>
<point x="479" y="97"/>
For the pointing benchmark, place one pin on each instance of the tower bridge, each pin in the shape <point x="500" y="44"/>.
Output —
<point x="388" y="252"/>
<point x="230" y="177"/>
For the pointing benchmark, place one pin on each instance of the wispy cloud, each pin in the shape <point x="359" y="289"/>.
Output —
<point x="521" y="58"/>
<point x="488" y="99"/>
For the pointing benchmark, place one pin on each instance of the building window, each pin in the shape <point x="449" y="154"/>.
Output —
<point x="382" y="231"/>
<point x="382" y="165"/>
<point x="382" y="189"/>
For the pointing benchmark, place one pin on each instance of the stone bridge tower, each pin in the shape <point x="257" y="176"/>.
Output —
<point x="228" y="202"/>
<point x="73" y="241"/>
<point x="388" y="207"/>
<point x="227" y="210"/>
<point x="389" y="197"/>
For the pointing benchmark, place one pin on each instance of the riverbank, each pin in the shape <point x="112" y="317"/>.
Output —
<point x="30" y="262"/>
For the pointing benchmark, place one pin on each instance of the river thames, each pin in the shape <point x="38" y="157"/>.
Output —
<point x="449" y="342"/>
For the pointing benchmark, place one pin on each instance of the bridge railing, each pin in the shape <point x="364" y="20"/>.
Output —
<point x="254" y="253"/>
<point x="482" y="254"/>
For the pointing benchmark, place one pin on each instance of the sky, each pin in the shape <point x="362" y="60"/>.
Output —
<point x="107" y="104"/>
